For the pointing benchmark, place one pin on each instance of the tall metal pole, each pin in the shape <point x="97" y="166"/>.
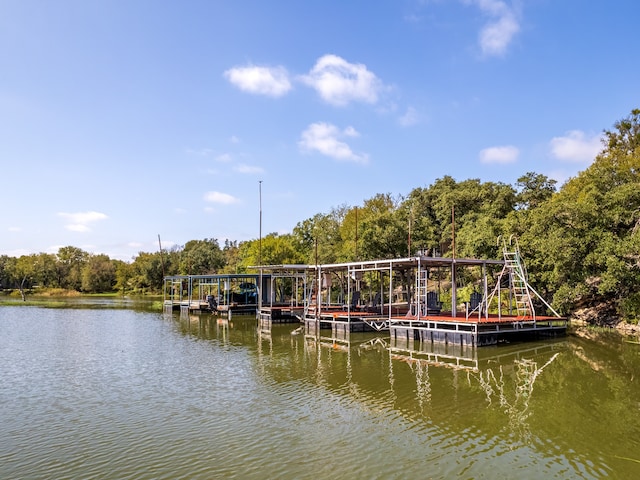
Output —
<point x="161" y="256"/>
<point x="453" y="231"/>
<point x="260" y="241"/>
<point x="260" y="247"/>
<point x="409" y="239"/>
<point x="164" y="294"/>
<point x="454" y="300"/>
<point x="357" y="234"/>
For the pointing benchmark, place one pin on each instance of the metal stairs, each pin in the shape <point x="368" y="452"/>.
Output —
<point x="521" y="293"/>
<point x="518" y="281"/>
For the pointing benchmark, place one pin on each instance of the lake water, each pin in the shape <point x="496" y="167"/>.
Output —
<point x="128" y="393"/>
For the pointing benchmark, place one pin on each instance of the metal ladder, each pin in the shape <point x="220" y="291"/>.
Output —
<point x="518" y="279"/>
<point x="421" y="292"/>
<point x="308" y="304"/>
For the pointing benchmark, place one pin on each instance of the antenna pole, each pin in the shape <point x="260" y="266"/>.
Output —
<point x="260" y="247"/>
<point x="161" y="256"/>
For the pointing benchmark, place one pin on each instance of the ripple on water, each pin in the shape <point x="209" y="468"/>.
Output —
<point x="95" y="393"/>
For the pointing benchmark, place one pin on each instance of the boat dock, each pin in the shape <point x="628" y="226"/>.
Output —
<point x="430" y="299"/>
<point x="217" y="293"/>
<point x="458" y="301"/>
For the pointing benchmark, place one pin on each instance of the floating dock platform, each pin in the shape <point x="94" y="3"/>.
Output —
<point x="489" y="330"/>
<point x="442" y="328"/>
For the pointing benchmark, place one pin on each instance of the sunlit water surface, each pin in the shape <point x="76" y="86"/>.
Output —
<point x="124" y="393"/>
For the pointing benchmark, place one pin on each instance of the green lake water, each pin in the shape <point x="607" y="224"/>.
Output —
<point x="102" y="392"/>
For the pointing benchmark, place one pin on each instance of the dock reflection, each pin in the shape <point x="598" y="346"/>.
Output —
<point x="435" y="353"/>
<point x="505" y="376"/>
<point x="423" y="380"/>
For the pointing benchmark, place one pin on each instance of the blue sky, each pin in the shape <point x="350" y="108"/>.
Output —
<point x="125" y="120"/>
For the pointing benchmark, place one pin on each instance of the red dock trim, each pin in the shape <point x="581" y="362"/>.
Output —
<point x="492" y="319"/>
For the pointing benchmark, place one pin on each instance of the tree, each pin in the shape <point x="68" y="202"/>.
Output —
<point x="625" y="139"/>
<point x="98" y="274"/>
<point x="46" y="270"/>
<point x="534" y="189"/>
<point x="123" y="274"/>
<point x="146" y="272"/>
<point x="5" y="271"/>
<point x="231" y="251"/>
<point x="201" y="257"/>
<point x="276" y="250"/>
<point x="585" y="237"/>
<point x="23" y="273"/>
<point x="318" y="238"/>
<point x="71" y="260"/>
<point x="385" y="230"/>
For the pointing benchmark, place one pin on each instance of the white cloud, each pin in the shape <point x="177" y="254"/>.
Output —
<point x="351" y="132"/>
<point x="498" y="33"/>
<point x="242" y="168"/>
<point x="269" y="81"/>
<point x="234" y="139"/>
<point x="202" y="152"/>
<point x="339" y="82"/>
<point x="224" y="158"/>
<point x="219" y="197"/>
<point x="409" y="118"/>
<point x="14" y="229"/>
<point x="575" y="146"/>
<point x="325" y="138"/>
<point x="80" y="221"/>
<point x="501" y="155"/>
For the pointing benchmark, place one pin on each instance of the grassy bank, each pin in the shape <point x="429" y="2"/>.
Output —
<point x="59" y="297"/>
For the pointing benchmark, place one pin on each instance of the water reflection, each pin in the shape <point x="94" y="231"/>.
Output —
<point x="513" y="401"/>
<point x="423" y="379"/>
<point x="139" y="395"/>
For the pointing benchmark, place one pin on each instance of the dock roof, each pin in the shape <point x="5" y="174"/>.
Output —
<point x="383" y="264"/>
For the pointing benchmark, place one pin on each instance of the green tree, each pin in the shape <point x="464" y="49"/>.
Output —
<point x="385" y="230"/>
<point x="46" y="270"/>
<point x="585" y="237"/>
<point x="231" y="252"/>
<point x="318" y="238"/>
<point x="534" y="189"/>
<point x="625" y="139"/>
<point x="5" y="271"/>
<point x="23" y="273"/>
<point x="146" y="272"/>
<point x="123" y="274"/>
<point x="71" y="261"/>
<point x="201" y="257"/>
<point x="276" y="250"/>
<point x="98" y="274"/>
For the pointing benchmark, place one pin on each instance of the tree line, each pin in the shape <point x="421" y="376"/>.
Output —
<point x="581" y="242"/>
